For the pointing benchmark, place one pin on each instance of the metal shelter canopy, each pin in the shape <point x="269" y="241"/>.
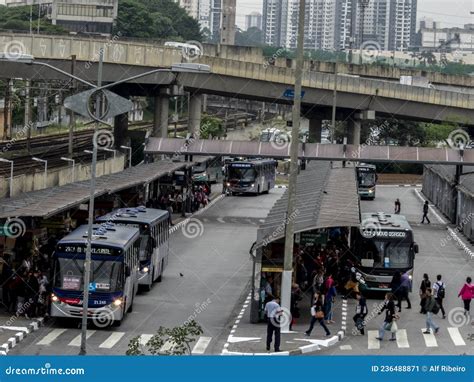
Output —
<point x="315" y="151"/>
<point x="50" y="201"/>
<point x="325" y="197"/>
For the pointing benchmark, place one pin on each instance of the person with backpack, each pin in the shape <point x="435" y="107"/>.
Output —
<point x="439" y="293"/>
<point x="431" y="307"/>
<point x="466" y="293"/>
<point x="425" y="284"/>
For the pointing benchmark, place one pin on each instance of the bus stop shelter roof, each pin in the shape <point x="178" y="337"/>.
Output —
<point x="325" y="197"/>
<point x="51" y="201"/>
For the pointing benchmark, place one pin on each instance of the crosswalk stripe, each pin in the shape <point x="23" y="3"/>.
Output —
<point x="456" y="337"/>
<point x="144" y="338"/>
<point x="167" y="346"/>
<point x="402" y="339"/>
<point x="373" y="342"/>
<point x="430" y="339"/>
<point x="50" y="337"/>
<point x="112" y="340"/>
<point x="201" y="345"/>
<point x="77" y="340"/>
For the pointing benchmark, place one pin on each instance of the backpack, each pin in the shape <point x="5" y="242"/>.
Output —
<point x="441" y="291"/>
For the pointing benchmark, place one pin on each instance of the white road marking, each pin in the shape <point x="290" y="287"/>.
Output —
<point x="430" y="339"/>
<point x="345" y="347"/>
<point x="15" y="328"/>
<point x="112" y="340"/>
<point x="402" y="338"/>
<point x="167" y="346"/>
<point x="456" y="337"/>
<point x="373" y="343"/>
<point x="234" y="340"/>
<point x="50" y="337"/>
<point x="144" y="338"/>
<point x="77" y="340"/>
<point x="201" y="345"/>
<point x="220" y="220"/>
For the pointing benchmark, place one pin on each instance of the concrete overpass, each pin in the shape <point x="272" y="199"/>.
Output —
<point x="234" y="78"/>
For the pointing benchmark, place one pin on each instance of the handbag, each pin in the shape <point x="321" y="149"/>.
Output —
<point x="319" y="314"/>
<point x="394" y="327"/>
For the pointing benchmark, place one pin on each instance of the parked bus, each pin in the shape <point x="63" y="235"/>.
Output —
<point x="366" y="180"/>
<point x="384" y="244"/>
<point x="210" y="169"/>
<point x="190" y="50"/>
<point x="154" y="233"/>
<point x="250" y="176"/>
<point x="114" y="273"/>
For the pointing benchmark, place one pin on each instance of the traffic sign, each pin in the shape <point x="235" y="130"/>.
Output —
<point x="116" y="105"/>
<point x="290" y="93"/>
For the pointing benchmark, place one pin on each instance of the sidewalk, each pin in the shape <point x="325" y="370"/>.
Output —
<point x="246" y="338"/>
<point x="14" y="329"/>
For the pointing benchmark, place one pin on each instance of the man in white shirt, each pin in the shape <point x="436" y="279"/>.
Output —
<point x="439" y="291"/>
<point x="273" y="312"/>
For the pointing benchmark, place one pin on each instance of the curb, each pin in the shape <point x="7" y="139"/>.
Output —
<point x="20" y="336"/>
<point x="186" y="221"/>
<point x="316" y="346"/>
<point x="460" y="242"/>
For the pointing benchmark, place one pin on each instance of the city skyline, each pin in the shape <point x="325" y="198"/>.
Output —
<point x="449" y="14"/>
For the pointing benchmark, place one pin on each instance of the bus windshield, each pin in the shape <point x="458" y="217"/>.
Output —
<point x="244" y="174"/>
<point x="105" y="275"/>
<point x="386" y="254"/>
<point x="366" y="178"/>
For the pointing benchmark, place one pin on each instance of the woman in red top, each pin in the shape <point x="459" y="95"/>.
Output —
<point x="466" y="293"/>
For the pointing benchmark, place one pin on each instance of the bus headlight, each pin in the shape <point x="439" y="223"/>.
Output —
<point x="145" y="269"/>
<point x="253" y="184"/>
<point x="228" y="184"/>
<point x="54" y="298"/>
<point x="117" y="302"/>
<point x="371" y="191"/>
<point x="410" y="277"/>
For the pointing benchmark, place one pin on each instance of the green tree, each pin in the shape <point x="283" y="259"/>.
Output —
<point x="251" y="37"/>
<point x="211" y="127"/>
<point x="180" y="337"/>
<point x="18" y="19"/>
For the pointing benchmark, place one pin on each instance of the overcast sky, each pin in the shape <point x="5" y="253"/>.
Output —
<point x="449" y="12"/>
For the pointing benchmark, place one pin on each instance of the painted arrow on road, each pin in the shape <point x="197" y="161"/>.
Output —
<point x="234" y="340"/>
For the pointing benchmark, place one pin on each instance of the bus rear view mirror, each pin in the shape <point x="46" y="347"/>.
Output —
<point x="416" y="248"/>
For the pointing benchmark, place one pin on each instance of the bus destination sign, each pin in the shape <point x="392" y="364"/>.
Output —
<point x="371" y="233"/>
<point x="241" y="165"/>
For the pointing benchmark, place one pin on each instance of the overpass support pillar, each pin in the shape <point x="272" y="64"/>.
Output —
<point x="353" y="132"/>
<point x="121" y="121"/>
<point x="195" y="112"/>
<point x="161" y="114"/>
<point x="315" y="129"/>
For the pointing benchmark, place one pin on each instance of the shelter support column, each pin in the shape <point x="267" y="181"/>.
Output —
<point x="353" y="132"/>
<point x="161" y="114"/>
<point x="315" y="129"/>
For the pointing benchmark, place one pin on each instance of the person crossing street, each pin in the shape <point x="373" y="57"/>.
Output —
<point x="439" y="293"/>
<point x="431" y="307"/>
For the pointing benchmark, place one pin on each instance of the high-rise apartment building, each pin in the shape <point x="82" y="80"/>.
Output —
<point x="253" y="20"/>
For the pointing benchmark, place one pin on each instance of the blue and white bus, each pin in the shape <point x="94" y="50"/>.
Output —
<point x="154" y="233"/>
<point x="114" y="273"/>
<point x="251" y="176"/>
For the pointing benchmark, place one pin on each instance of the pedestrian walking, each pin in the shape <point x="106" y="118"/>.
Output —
<point x="425" y="284"/>
<point x="273" y="312"/>
<point x="328" y="303"/>
<point x="361" y="312"/>
<point x="405" y="288"/>
<point x="425" y="213"/>
<point x="398" y="206"/>
<point x="390" y="317"/>
<point x="395" y="287"/>
<point x="431" y="307"/>
<point x="466" y="293"/>
<point x="439" y="293"/>
<point x="317" y="315"/>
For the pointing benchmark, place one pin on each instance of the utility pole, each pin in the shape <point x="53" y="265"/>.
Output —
<point x="39" y="17"/>
<point x="72" y="121"/>
<point x="87" y="262"/>
<point x="334" y="101"/>
<point x="289" y="234"/>
<point x="28" y="124"/>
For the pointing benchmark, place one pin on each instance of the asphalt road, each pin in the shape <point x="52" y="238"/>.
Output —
<point x="434" y="258"/>
<point x="212" y="255"/>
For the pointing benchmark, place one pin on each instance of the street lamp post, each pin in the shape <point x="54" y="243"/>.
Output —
<point x="73" y="166"/>
<point x="45" y="178"/>
<point x="289" y="232"/>
<point x="11" y="174"/>
<point x="129" y="149"/>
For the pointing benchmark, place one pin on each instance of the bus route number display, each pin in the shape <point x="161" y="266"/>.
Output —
<point x="396" y="234"/>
